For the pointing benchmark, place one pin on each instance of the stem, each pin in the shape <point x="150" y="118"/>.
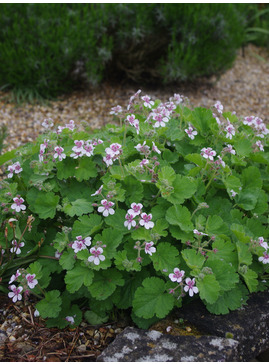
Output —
<point x="123" y="175"/>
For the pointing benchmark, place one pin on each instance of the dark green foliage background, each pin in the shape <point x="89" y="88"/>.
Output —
<point x="49" y="49"/>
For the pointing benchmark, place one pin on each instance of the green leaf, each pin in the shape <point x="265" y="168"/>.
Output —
<point x="78" y="276"/>
<point x="95" y="319"/>
<point x="240" y="232"/>
<point x="166" y="257"/>
<point x="243" y="147"/>
<point x="225" y="273"/>
<point x="144" y="323"/>
<point x="229" y="300"/>
<point x="196" y="159"/>
<point x="67" y="259"/>
<point x="251" y="178"/>
<point x="123" y="263"/>
<point x="50" y="306"/>
<point x="35" y="268"/>
<point x="225" y="251"/>
<point x="202" y="119"/>
<point x="87" y="225"/>
<point x="184" y="188"/>
<point x="215" y="226"/>
<point x="112" y="239"/>
<point x="66" y="168"/>
<point x="250" y="277"/>
<point x="180" y="216"/>
<point x="105" y="283"/>
<point x="173" y="132"/>
<point x="192" y="258"/>
<point x="60" y="241"/>
<point x="209" y="288"/>
<point x="134" y="189"/>
<point x="169" y="156"/>
<point x="232" y="183"/>
<point x="151" y="299"/>
<point x="86" y="169"/>
<point x="42" y="203"/>
<point x="244" y="255"/>
<point x="141" y="234"/>
<point x="117" y="220"/>
<point x="248" y="197"/>
<point x="78" y="207"/>
<point x="166" y="176"/>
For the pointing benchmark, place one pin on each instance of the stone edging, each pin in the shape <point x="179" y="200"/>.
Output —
<point x="247" y="329"/>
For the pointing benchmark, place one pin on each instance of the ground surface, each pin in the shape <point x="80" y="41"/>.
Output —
<point x="244" y="89"/>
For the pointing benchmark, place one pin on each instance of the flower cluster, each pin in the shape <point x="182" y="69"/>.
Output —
<point x="82" y="148"/>
<point x="133" y="122"/>
<point x="135" y="213"/>
<point x="70" y="126"/>
<point x="81" y="244"/>
<point x="113" y="153"/>
<point x="14" y="168"/>
<point x="177" y="276"/>
<point x="26" y="281"/>
<point x="257" y="125"/>
<point x="265" y="257"/>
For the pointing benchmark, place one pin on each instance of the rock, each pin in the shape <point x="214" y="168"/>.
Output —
<point x="134" y="345"/>
<point x="248" y="325"/>
<point x="3" y="336"/>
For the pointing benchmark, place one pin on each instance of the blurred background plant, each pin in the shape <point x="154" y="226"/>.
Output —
<point x="47" y="50"/>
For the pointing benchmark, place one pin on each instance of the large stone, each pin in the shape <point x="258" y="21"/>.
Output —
<point x="136" y="345"/>
<point x="248" y="325"/>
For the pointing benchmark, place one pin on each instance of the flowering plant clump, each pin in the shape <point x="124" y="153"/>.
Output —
<point x="167" y="206"/>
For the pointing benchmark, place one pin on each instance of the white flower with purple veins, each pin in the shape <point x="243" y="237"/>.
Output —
<point x="98" y="192"/>
<point x="170" y="106"/>
<point x="144" y="162"/>
<point x="149" y="248"/>
<point x="71" y="319"/>
<point x="146" y="221"/>
<point x="16" y="247"/>
<point x="265" y="258"/>
<point x="80" y="244"/>
<point x="14" y="276"/>
<point x="155" y="149"/>
<point x="249" y="120"/>
<point x="36" y="313"/>
<point x="160" y="119"/>
<point x="18" y="204"/>
<point x="147" y="101"/>
<point x="190" y="286"/>
<point x="137" y="127"/>
<point x="114" y="149"/>
<point x="131" y="119"/>
<point x="229" y="149"/>
<point x="135" y="209"/>
<point x="217" y="119"/>
<point x="129" y="222"/>
<point x="88" y="149"/>
<point x="132" y="99"/>
<point x="142" y="148"/>
<point x="230" y="130"/>
<point x="14" y="168"/>
<point x="58" y="254"/>
<point x="199" y="233"/>
<point x="233" y="193"/>
<point x="220" y="161"/>
<point x="59" y="153"/>
<point x="70" y="125"/>
<point x="15" y="293"/>
<point x="191" y="132"/>
<point x="116" y="110"/>
<point x="177" y="275"/>
<point x="96" y="256"/>
<point x="31" y="281"/>
<point x="208" y="153"/>
<point x="78" y="146"/>
<point x="47" y="123"/>
<point x="11" y="170"/>
<point x="106" y="208"/>
<point x="77" y="154"/>
<point x="41" y="152"/>
<point x="259" y="145"/>
<point x="108" y="159"/>
<point x="219" y="106"/>
<point x="178" y="99"/>
<point x="263" y="243"/>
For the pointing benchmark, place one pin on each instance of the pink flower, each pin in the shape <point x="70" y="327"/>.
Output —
<point x="70" y="125"/>
<point x="129" y="222"/>
<point x="199" y="233"/>
<point x="131" y="119"/>
<point x="208" y="153"/>
<point x="191" y="132"/>
<point x="229" y="149"/>
<point x="155" y="149"/>
<point x="59" y="153"/>
<point x="18" y="204"/>
<point x="31" y="281"/>
<point x="14" y="276"/>
<point x="249" y="120"/>
<point x="108" y="159"/>
<point x="14" y="168"/>
<point x="98" y="192"/>
<point x="132" y="99"/>
<point x="178" y="99"/>
<point x="116" y="110"/>
<point x="144" y="162"/>
<point x="16" y="247"/>
<point x="147" y="101"/>
<point x="263" y="243"/>
<point x="80" y="244"/>
<point x="114" y="149"/>
<point x="230" y="130"/>
<point x="233" y="193"/>
<point x="106" y="209"/>
<point x="135" y="209"/>
<point x="77" y="154"/>
<point x="142" y="148"/>
<point x="145" y="221"/>
<point x="265" y="258"/>
<point x="71" y="319"/>
<point x="190" y="286"/>
<point x="177" y="275"/>
<point x="220" y="161"/>
<point x="15" y="293"/>
<point x="259" y="145"/>
<point x="78" y="146"/>
<point x="219" y="106"/>
<point x="149" y="248"/>
<point x="47" y="123"/>
<point x="96" y="256"/>
<point x="88" y="149"/>
<point x="160" y="119"/>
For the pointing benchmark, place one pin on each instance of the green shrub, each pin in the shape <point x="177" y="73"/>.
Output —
<point x="169" y="206"/>
<point x="48" y="49"/>
<point x="257" y="28"/>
